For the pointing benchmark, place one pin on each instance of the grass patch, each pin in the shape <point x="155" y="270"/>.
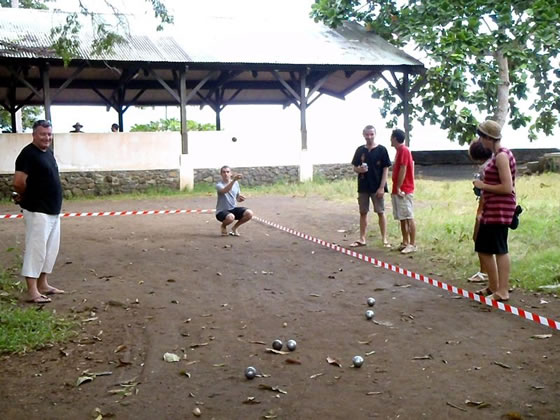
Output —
<point x="29" y="328"/>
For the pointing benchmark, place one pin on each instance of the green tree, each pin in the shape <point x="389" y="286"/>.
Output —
<point x="172" y="124"/>
<point x="482" y="56"/>
<point x="29" y="115"/>
<point x="107" y="32"/>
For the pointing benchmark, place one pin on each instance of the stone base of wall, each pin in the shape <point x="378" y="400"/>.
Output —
<point x="332" y="172"/>
<point x="263" y="175"/>
<point x="81" y="184"/>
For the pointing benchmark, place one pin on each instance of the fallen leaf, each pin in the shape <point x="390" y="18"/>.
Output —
<point x="383" y="323"/>
<point x="502" y="365"/>
<point x="541" y="336"/>
<point x="257" y="342"/>
<point x="185" y="373"/>
<point x="120" y="348"/>
<point x="425" y="357"/>
<point x="373" y="393"/>
<point x="314" y="295"/>
<point x="316" y="375"/>
<point x="478" y="404"/>
<point x="194" y="346"/>
<point x="455" y="406"/>
<point x="369" y="353"/>
<point x="171" y="357"/>
<point x="271" y="388"/>
<point x="251" y="400"/>
<point x="334" y="362"/>
<point x="537" y="387"/>
<point x="293" y="362"/>
<point x="218" y="273"/>
<point x="218" y="364"/>
<point x="268" y="350"/>
<point x="83" y="379"/>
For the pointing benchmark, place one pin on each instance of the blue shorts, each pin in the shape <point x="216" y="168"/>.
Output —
<point x="236" y="211"/>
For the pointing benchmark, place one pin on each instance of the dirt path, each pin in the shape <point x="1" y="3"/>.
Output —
<point x="148" y="285"/>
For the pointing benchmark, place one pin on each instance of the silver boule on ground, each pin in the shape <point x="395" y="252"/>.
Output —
<point x="250" y="372"/>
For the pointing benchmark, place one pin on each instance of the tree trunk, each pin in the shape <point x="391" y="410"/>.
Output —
<point x="502" y="110"/>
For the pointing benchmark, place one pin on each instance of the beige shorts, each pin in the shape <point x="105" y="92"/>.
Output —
<point x="42" y="240"/>
<point x="403" y="208"/>
<point x="363" y="202"/>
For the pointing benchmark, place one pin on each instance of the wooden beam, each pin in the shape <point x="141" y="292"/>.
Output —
<point x="200" y="84"/>
<point x="296" y="96"/>
<point x="68" y="81"/>
<point x="302" y="110"/>
<point x="165" y="85"/>
<point x="183" y="101"/>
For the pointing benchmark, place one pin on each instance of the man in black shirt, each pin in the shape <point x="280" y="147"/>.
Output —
<point x="39" y="193"/>
<point x="371" y="163"/>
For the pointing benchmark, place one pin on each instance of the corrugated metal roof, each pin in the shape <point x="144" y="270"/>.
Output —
<point x="214" y="39"/>
<point x="25" y="33"/>
<point x="297" y="41"/>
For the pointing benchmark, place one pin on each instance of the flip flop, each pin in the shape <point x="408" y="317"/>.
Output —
<point x="497" y="298"/>
<point x="53" y="291"/>
<point x="40" y="300"/>
<point x="484" y="292"/>
<point x="387" y="245"/>
<point x="232" y="233"/>
<point x="356" y="244"/>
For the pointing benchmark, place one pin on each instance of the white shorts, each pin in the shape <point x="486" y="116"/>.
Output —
<point x="42" y="240"/>
<point x="403" y="208"/>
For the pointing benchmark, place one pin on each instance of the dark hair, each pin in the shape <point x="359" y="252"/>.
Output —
<point x="399" y="135"/>
<point x="115" y="126"/>
<point x="478" y="152"/>
<point x="41" y="123"/>
<point x="224" y="167"/>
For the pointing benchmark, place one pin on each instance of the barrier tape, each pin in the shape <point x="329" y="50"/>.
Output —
<point x="465" y="293"/>
<point x="117" y="213"/>
<point x="436" y="283"/>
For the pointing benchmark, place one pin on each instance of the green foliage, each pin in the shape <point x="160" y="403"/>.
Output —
<point x="25" y="329"/>
<point x="29" y="115"/>
<point x="172" y="124"/>
<point x="462" y="42"/>
<point x="27" y="4"/>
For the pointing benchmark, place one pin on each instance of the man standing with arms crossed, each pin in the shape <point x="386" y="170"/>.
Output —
<point x="371" y="163"/>
<point x="403" y="190"/>
<point x="39" y="193"/>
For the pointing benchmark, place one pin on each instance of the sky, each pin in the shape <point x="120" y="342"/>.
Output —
<point x="330" y="119"/>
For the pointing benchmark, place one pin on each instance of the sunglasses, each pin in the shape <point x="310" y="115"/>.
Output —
<point x="42" y="123"/>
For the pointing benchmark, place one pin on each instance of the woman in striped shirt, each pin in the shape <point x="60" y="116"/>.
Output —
<point x="498" y="193"/>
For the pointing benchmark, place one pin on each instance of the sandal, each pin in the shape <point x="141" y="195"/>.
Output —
<point x="357" y="244"/>
<point x="484" y="292"/>
<point x="497" y="298"/>
<point x="40" y="300"/>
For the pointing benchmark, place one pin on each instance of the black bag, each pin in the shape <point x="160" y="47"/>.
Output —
<point x="515" y="221"/>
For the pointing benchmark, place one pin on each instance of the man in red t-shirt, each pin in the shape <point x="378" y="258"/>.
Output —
<point x="403" y="190"/>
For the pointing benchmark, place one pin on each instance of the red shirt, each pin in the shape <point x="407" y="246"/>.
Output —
<point x="498" y="208"/>
<point x="403" y="157"/>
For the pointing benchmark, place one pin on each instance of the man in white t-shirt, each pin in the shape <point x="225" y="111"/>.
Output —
<point x="227" y="211"/>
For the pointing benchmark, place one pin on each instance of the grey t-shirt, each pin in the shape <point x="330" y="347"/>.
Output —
<point x="228" y="200"/>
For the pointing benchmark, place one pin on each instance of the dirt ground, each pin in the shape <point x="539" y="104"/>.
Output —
<point x="148" y="285"/>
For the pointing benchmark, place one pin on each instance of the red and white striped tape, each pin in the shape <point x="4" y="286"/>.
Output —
<point x="117" y="213"/>
<point x="465" y="293"/>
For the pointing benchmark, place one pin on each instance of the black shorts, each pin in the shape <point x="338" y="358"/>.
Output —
<point x="492" y="239"/>
<point x="237" y="212"/>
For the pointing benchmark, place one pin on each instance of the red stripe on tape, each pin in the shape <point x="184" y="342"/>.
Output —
<point x="456" y="290"/>
<point x="118" y="213"/>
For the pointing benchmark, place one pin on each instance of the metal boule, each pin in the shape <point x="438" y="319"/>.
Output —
<point x="370" y="301"/>
<point x="370" y="314"/>
<point x="357" y="361"/>
<point x="250" y="372"/>
<point x="291" y="345"/>
<point x="277" y="345"/>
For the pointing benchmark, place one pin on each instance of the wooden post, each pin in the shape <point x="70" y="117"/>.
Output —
<point x="183" y="96"/>
<point x="303" y="108"/>
<point x="46" y="91"/>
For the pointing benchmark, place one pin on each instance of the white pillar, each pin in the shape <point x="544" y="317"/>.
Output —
<point x="305" y="166"/>
<point x="186" y="173"/>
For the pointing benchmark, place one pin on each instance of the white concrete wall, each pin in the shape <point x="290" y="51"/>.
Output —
<point x="162" y="150"/>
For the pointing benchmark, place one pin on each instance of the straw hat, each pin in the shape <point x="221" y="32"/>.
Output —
<point x="490" y="129"/>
